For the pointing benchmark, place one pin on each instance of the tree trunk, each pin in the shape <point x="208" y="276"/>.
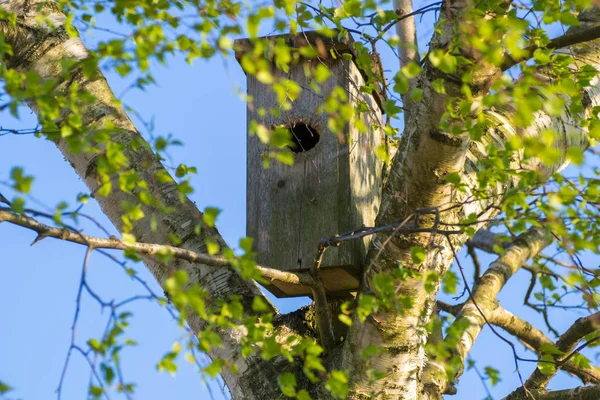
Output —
<point x="40" y="48"/>
<point x="426" y="156"/>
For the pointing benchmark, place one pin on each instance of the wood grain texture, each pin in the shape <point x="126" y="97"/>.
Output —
<point x="332" y="188"/>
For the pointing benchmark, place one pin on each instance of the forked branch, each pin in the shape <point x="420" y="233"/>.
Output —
<point x="582" y="328"/>
<point x="530" y="337"/>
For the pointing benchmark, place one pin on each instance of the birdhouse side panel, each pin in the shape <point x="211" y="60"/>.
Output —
<point x="364" y="168"/>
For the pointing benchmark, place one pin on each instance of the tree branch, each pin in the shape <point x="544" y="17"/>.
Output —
<point x="41" y="48"/>
<point x="576" y="332"/>
<point x="452" y="309"/>
<point x="477" y="310"/>
<point x="320" y="298"/>
<point x="149" y="249"/>
<point x="324" y="322"/>
<point x="407" y="33"/>
<point x="407" y="47"/>
<point x="485" y="240"/>
<point x="529" y="336"/>
<point x="533" y="338"/>
<point x="566" y="345"/>
<point x="569" y="39"/>
<point x="426" y="154"/>
<point x="579" y="393"/>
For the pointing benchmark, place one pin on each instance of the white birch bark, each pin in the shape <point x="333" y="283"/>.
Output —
<point x="417" y="180"/>
<point x="40" y="48"/>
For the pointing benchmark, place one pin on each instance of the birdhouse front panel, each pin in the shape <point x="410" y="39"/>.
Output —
<point x="333" y="186"/>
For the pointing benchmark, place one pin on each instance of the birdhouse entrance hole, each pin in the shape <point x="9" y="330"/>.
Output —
<point x="304" y="137"/>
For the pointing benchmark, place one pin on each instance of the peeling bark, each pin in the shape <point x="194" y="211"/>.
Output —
<point x="426" y="156"/>
<point x="40" y="48"/>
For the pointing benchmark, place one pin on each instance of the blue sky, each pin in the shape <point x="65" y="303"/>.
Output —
<point x="199" y="105"/>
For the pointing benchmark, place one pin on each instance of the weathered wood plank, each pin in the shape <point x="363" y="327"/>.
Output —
<point x="332" y="188"/>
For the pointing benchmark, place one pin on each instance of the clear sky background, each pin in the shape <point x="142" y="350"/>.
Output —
<point x="199" y="105"/>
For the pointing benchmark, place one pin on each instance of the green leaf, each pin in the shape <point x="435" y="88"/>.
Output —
<point x="411" y="70"/>
<point x="246" y="244"/>
<point x="370" y="351"/>
<point x="287" y="383"/>
<point x="225" y="43"/>
<point x="21" y="182"/>
<point x="108" y="373"/>
<point x="352" y="8"/>
<point x="94" y="344"/>
<point x="338" y="384"/>
<point x="322" y="73"/>
<point x="212" y="248"/>
<point x="4" y="388"/>
<point x="264" y="77"/>
<point x="400" y="83"/>
<point x="176" y="347"/>
<point x="438" y="86"/>
<point x="345" y="319"/>
<point x="210" y="216"/>
<point x="450" y="282"/>
<point x="128" y="238"/>
<point x="493" y="374"/>
<point x="96" y="390"/>
<point x="303" y="395"/>
<point x="259" y="305"/>
<point x="547" y="365"/>
<point x="443" y="61"/>
<point x="548" y="348"/>
<point x="286" y="157"/>
<point x="167" y="364"/>
<point x="18" y="205"/>
<point x="416" y="94"/>
<point x="418" y="254"/>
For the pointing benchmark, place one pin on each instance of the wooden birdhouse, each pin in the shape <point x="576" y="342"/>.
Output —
<point x="335" y="183"/>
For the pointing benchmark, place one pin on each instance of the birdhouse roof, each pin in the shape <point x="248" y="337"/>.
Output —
<point x="324" y="45"/>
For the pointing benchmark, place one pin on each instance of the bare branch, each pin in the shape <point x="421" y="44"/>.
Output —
<point x="323" y="315"/>
<point x="452" y="309"/>
<point x="407" y="46"/>
<point x="320" y="298"/>
<point x="580" y="329"/>
<point x="579" y="393"/>
<point x="566" y="345"/>
<point x="482" y="301"/>
<point x="407" y="33"/>
<point x="485" y="240"/>
<point x="530" y="337"/>
<point x="571" y="38"/>
<point x="75" y="319"/>
<point x="298" y="278"/>
<point x="476" y="263"/>
<point x="310" y="279"/>
<point x="533" y="338"/>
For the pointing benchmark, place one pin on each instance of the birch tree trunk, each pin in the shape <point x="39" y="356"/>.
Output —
<point x="42" y="48"/>
<point x="426" y="156"/>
